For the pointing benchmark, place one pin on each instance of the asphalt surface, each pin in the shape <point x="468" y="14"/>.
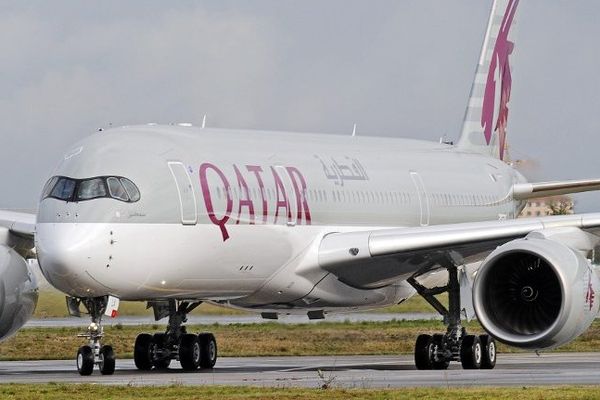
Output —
<point x="232" y="319"/>
<point x="347" y="371"/>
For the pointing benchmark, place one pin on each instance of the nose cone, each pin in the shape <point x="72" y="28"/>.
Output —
<point x="64" y="256"/>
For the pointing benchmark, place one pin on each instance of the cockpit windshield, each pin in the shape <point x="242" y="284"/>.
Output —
<point x="75" y="190"/>
<point x="91" y="189"/>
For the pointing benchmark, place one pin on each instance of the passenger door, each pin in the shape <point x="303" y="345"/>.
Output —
<point x="185" y="191"/>
<point x="423" y="198"/>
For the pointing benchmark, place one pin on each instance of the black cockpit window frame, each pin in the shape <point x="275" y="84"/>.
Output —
<point x="72" y="195"/>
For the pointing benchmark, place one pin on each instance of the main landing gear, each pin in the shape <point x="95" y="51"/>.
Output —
<point x="437" y="351"/>
<point x="158" y="350"/>
<point x="94" y="353"/>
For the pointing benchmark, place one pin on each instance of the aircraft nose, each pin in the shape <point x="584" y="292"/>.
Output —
<point x="63" y="256"/>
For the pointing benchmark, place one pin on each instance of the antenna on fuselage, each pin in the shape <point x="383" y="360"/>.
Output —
<point x="444" y="140"/>
<point x="204" y="121"/>
<point x="354" y="130"/>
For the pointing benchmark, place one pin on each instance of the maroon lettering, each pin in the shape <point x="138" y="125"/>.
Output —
<point x="256" y="170"/>
<point x="208" y="198"/>
<point x="301" y="191"/>
<point x="281" y="202"/>
<point x="247" y="202"/>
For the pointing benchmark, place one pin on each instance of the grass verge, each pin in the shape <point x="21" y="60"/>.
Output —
<point x="269" y="339"/>
<point x="51" y="304"/>
<point x="84" y="392"/>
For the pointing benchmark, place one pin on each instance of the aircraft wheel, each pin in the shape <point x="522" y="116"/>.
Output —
<point x="423" y="352"/>
<point x="107" y="360"/>
<point x="85" y="360"/>
<point x="159" y="344"/>
<point x="142" y="352"/>
<point x="208" y="350"/>
<point x="488" y="347"/>
<point x="189" y="352"/>
<point x="437" y="342"/>
<point x="471" y="352"/>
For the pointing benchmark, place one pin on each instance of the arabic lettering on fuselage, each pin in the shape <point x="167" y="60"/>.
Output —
<point x="349" y="170"/>
<point x="267" y="180"/>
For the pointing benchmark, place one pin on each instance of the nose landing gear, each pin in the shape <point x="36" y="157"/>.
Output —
<point x="94" y="353"/>
<point x="437" y="351"/>
<point x="192" y="351"/>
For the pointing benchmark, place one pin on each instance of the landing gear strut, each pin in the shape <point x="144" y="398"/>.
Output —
<point x="158" y="350"/>
<point x="437" y="351"/>
<point x="94" y="353"/>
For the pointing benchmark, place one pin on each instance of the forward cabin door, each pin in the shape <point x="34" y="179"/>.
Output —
<point x="185" y="190"/>
<point x="423" y="198"/>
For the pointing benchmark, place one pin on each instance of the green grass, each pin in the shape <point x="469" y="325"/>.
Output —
<point x="176" y="392"/>
<point x="51" y="304"/>
<point x="269" y="339"/>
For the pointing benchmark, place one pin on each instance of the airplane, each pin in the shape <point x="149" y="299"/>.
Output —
<point x="282" y="223"/>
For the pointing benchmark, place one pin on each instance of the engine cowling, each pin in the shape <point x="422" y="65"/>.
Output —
<point x="18" y="292"/>
<point x="535" y="293"/>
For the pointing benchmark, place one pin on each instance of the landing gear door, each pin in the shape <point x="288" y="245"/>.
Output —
<point x="185" y="191"/>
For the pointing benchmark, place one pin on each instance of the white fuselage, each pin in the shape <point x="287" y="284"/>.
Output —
<point x="237" y="216"/>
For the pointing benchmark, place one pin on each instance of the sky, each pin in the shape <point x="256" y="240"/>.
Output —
<point x="398" y="68"/>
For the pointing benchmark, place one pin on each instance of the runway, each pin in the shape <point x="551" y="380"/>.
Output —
<point x="345" y="372"/>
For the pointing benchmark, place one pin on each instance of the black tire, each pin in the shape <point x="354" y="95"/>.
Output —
<point x="470" y="352"/>
<point x="107" y="360"/>
<point x="437" y="341"/>
<point x="142" y="352"/>
<point x="85" y="361"/>
<point x="208" y="350"/>
<point x="189" y="352"/>
<point x="488" y="348"/>
<point x="423" y="348"/>
<point x="159" y="342"/>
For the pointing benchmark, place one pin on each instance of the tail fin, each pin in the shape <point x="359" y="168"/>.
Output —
<point x="484" y="126"/>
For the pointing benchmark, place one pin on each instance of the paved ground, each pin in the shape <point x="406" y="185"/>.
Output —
<point x="235" y="319"/>
<point x="349" y="371"/>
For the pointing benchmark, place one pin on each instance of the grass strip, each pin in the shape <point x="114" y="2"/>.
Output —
<point x="51" y="304"/>
<point x="269" y="339"/>
<point x="176" y="392"/>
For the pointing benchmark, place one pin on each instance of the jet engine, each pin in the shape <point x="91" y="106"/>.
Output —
<point x="536" y="293"/>
<point x="18" y="291"/>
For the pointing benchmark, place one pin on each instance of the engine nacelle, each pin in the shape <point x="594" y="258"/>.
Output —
<point x="18" y="292"/>
<point x="535" y="293"/>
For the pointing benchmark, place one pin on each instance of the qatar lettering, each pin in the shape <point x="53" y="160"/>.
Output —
<point x="253" y="194"/>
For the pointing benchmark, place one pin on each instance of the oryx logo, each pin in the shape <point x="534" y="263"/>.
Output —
<point x="494" y="116"/>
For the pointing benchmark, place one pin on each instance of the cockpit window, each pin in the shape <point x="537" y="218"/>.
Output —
<point x="91" y="189"/>
<point x="116" y="189"/>
<point x="49" y="186"/>
<point x="64" y="189"/>
<point x="68" y="189"/>
<point x="132" y="190"/>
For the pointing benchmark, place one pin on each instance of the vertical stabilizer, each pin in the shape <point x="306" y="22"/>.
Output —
<point x="484" y="126"/>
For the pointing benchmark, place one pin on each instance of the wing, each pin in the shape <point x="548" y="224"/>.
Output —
<point x="17" y="230"/>
<point x="370" y="259"/>
<point x="524" y="191"/>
